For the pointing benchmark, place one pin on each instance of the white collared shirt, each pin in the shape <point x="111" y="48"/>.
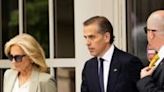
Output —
<point x="107" y="60"/>
<point x="161" y="56"/>
<point x="22" y="88"/>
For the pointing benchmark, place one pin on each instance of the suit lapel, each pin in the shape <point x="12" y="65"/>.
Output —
<point x="114" y="70"/>
<point x="34" y="80"/>
<point x="95" y="77"/>
<point x="12" y="80"/>
<point x="158" y="69"/>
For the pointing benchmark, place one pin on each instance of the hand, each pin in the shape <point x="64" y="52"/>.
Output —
<point x="147" y="71"/>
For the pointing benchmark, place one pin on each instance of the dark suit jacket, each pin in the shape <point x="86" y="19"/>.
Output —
<point x="123" y="74"/>
<point x="154" y="83"/>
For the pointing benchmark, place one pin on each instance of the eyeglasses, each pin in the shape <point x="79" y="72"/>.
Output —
<point x="17" y="58"/>
<point x="146" y="30"/>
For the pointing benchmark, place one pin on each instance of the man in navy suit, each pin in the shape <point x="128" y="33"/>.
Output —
<point x="118" y="72"/>
<point x="152" y="78"/>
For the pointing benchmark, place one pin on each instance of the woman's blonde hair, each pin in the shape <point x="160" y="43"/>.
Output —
<point x="31" y="47"/>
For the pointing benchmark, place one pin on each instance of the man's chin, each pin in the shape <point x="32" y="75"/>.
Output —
<point x="93" y="54"/>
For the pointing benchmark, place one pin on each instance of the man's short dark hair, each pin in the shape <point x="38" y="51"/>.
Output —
<point x="104" y="24"/>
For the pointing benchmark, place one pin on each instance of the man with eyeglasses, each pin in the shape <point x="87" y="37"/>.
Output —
<point x="152" y="78"/>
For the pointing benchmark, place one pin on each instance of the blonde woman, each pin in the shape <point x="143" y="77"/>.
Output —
<point x="28" y="66"/>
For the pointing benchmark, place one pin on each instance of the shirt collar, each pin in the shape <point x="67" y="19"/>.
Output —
<point x="161" y="52"/>
<point x="108" y="55"/>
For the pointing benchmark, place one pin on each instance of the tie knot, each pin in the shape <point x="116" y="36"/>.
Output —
<point x="101" y="62"/>
<point x="154" y="60"/>
<point x="101" y="59"/>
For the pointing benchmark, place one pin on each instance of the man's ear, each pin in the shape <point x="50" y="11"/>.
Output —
<point x="107" y="37"/>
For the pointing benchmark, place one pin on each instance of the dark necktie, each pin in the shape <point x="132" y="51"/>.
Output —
<point x="101" y="75"/>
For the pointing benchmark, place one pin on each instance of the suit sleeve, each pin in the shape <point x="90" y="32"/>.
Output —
<point x="147" y="85"/>
<point x="4" y="81"/>
<point x="48" y="85"/>
<point x="136" y="66"/>
<point x="132" y="74"/>
<point x="84" y="87"/>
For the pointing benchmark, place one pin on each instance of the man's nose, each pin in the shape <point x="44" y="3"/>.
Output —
<point x="88" y="42"/>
